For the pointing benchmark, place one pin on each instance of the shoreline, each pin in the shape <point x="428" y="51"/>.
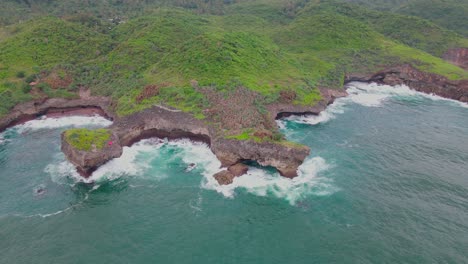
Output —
<point x="59" y="113"/>
<point x="165" y="123"/>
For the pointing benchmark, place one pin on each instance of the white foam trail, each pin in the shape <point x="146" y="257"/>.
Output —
<point x="372" y="94"/>
<point x="368" y="95"/>
<point x="61" y="170"/>
<point x="136" y="161"/>
<point x="259" y="182"/>
<point x="70" y="121"/>
<point x="338" y="107"/>
<point x="127" y="164"/>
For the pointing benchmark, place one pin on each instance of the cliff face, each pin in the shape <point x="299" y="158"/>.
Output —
<point x="162" y="122"/>
<point x="88" y="161"/>
<point x="279" y="110"/>
<point x="420" y="81"/>
<point x="31" y="110"/>
<point x="457" y="56"/>
<point x="285" y="159"/>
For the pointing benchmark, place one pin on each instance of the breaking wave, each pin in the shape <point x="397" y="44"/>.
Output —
<point x="45" y="122"/>
<point x="368" y="95"/>
<point x="262" y="183"/>
<point x="145" y="159"/>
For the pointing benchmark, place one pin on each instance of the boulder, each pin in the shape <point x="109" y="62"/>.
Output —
<point x="224" y="177"/>
<point x="238" y="169"/>
<point x="88" y="161"/>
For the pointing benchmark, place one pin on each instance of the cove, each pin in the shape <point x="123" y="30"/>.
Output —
<point x="387" y="175"/>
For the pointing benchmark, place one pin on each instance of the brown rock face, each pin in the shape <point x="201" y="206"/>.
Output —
<point x="420" y="81"/>
<point x="88" y="161"/>
<point x="238" y="169"/>
<point x="30" y="110"/>
<point x="224" y="177"/>
<point x="457" y="56"/>
<point x="284" y="158"/>
<point x="281" y="109"/>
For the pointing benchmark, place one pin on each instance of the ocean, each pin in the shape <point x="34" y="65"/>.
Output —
<point x="386" y="182"/>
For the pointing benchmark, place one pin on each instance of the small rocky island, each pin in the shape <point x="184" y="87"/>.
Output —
<point x="260" y="142"/>
<point x="285" y="156"/>
<point x="88" y="149"/>
<point x="220" y="78"/>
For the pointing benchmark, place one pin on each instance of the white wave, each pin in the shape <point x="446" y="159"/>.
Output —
<point x="136" y="161"/>
<point x="129" y="164"/>
<point x="338" y="107"/>
<point x="70" y="121"/>
<point x="372" y="94"/>
<point x="259" y="182"/>
<point x="61" y="170"/>
<point x="368" y="95"/>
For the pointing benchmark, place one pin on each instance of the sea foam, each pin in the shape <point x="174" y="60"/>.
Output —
<point x="136" y="162"/>
<point x="368" y="95"/>
<point x="70" y="121"/>
<point x="262" y="183"/>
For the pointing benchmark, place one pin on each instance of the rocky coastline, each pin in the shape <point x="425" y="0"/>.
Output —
<point x="429" y="83"/>
<point x="165" y="123"/>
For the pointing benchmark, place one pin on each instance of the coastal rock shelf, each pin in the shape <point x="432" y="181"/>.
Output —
<point x="429" y="83"/>
<point x="163" y="122"/>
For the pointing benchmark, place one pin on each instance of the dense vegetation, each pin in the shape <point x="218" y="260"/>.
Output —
<point x="451" y="14"/>
<point x="85" y="139"/>
<point x="192" y="54"/>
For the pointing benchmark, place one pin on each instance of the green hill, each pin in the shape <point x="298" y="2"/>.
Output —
<point x="181" y="58"/>
<point x="450" y="14"/>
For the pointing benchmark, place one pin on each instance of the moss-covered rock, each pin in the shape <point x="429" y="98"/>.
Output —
<point x="87" y="140"/>
<point x="89" y="149"/>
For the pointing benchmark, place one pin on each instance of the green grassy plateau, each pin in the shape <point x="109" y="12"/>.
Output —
<point x="191" y="54"/>
<point x="85" y="139"/>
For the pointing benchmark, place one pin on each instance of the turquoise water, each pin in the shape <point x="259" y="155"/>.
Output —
<point x="387" y="182"/>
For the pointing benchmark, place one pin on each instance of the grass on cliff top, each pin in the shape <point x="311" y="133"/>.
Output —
<point x="85" y="139"/>
<point x="277" y="138"/>
<point x="283" y="48"/>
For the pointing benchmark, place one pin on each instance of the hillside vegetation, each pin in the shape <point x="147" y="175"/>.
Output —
<point x="191" y="54"/>
<point x="451" y="14"/>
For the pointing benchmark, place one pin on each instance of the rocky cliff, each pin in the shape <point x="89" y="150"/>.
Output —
<point x="420" y="81"/>
<point x="88" y="161"/>
<point x="457" y="56"/>
<point x="30" y="110"/>
<point x="164" y="122"/>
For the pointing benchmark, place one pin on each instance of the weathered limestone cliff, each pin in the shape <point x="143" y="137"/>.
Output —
<point x="429" y="83"/>
<point x="457" y="56"/>
<point x="88" y="161"/>
<point x="33" y="109"/>
<point x="164" y="122"/>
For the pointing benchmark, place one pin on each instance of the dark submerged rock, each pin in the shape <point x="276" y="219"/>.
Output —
<point x="238" y="169"/>
<point x="224" y="177"/>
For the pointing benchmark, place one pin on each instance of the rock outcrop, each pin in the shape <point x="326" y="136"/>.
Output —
<point x="457" y="56"/>
<point x="429" y="83"/>
<point x="88" y="161"/>
<point x="164" y="122"/>
<point x="283" y="157"/>
<point x="30" y="110"/>
<point x="238" y="169"/>
<point x="279" y="110"/>
<point x="224" y="177"/>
